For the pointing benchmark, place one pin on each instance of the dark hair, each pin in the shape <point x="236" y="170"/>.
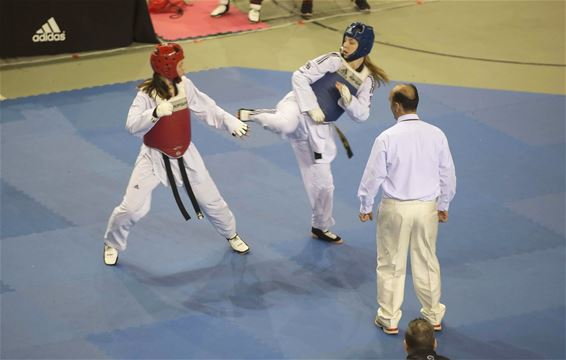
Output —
<point x="419" y="335"/>
<point x="406" y="102"/>
<point x="157" y="84"/>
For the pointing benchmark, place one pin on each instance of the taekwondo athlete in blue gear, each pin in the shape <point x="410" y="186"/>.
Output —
<point x="323" y="89"/>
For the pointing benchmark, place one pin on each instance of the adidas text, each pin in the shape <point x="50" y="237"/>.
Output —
<point x="49" y="37"/>
<point x="49" y="31"/>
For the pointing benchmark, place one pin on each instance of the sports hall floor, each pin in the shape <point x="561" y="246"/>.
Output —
<point x="491" y="74"/>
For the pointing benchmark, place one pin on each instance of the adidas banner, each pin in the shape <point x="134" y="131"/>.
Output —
<point x="44" y="27"/>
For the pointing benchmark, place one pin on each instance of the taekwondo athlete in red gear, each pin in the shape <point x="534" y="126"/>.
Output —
<point x="161" y="115"/>
<point x="323" y="89"/>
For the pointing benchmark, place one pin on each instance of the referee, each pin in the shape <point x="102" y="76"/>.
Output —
<point x="411" y="162"/>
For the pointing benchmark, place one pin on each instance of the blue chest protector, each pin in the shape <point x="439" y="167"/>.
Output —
<point x="327" y="95"/>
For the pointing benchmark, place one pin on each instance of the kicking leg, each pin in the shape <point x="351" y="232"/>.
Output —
<point x="282" y="120"/>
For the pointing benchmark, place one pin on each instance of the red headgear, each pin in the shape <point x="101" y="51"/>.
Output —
<point x="165" y="58"/>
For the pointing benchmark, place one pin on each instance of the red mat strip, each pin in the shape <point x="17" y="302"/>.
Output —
<point x="197" y="22"/>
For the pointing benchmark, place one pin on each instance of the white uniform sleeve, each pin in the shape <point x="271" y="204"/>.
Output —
<point x="308" y="74"/>
<point x="447" y="174"/>
<point x="374" y="175"/>
<point x="358" y="109"/>
<point x="140" y="116"/>
<point x="206" y="109"/>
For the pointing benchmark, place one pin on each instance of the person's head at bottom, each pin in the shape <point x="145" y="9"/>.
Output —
<point x="419" y="336"/>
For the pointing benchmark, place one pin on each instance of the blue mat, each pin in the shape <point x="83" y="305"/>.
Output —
<point x="179" y="292"/>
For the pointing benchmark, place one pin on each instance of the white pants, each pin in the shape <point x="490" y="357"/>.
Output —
<point x="319" y="184"/>
<point x="137" y="202"/>
<point x="402" y="225"/>
<point x="287" y="120"/>
<point x="284" y="120"/>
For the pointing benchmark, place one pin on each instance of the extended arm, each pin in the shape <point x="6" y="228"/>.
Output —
<point x="205" y="108"/>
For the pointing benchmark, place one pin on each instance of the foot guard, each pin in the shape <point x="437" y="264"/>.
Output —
<point x="245" y="114"/>
<point x="238" y="245"/>
<point x="326" y="235"/>
<point x="248" y="114"/>
<point x="110" y="255"/>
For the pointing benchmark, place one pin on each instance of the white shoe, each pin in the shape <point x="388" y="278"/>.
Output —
<point x="238" y="245"/>
<point x="110" y="255"/>
<point x="221" y="9"/>
<point x="253" y="15"/>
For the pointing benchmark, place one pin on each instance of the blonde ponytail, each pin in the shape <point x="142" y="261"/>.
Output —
<point x="378" y="73"/>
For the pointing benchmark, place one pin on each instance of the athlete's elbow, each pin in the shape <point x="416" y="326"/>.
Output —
<point x="129" y="128"/>
<point x="134" y="130"/>
<point x="361" y="117"/>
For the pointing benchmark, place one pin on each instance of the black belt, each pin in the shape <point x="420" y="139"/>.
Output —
<point x="344" y="141"/>
<point x="187" y="185"/>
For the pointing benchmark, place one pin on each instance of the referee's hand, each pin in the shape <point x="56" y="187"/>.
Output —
<point x="442" y="216"/>
<point x="366" y="217"/>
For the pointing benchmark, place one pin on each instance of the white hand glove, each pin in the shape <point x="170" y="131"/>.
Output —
<point x="344" y="93"/>
<point x="236" y="127"/>
<point x="165" y="108"/>
<point x="317" y="115"/>
<point x="241" y="130"/>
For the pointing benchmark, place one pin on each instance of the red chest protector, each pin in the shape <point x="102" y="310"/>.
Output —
<point x="172" y="134"/>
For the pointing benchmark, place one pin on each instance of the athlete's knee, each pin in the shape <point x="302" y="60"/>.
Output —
<point x="288" y="114"/>
<point x="324" y="189"/>
<point x="217" y="205"/>
<point x="133" y="208"/>
<point x="141" y="212"/>
<point x="209" y="198"/>
<point x="289" y="124"/>
<point x="323" y="180"/>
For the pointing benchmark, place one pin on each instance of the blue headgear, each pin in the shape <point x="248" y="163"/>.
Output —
<point x="364" y="36"/>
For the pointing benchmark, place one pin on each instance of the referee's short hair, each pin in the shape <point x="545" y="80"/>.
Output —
<point x="419" y="334"/>
<point x="407" y="96"/>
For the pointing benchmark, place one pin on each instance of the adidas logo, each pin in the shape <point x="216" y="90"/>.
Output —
<point x="49" y="32"/>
